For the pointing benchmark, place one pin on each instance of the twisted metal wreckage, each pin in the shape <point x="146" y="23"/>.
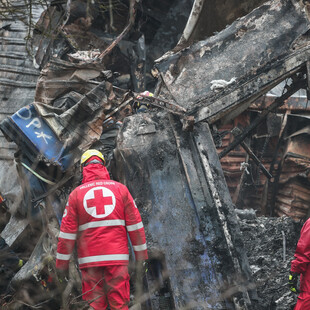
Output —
<point x="166" y="155"/>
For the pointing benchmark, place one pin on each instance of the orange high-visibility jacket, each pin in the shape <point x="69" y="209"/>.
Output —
<point x="98" y="215"/>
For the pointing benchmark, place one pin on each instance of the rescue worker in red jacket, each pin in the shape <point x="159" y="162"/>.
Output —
<point x="301" y="266"/>
<point x="98" y="215"/>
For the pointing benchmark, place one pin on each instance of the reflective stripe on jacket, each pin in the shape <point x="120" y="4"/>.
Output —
<point x="98" y="215"/>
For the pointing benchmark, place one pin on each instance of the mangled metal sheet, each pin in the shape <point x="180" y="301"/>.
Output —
<point x="179" y="188"/>
<point x="59" y="77"/>
<point x="175" y="176"/>
<point x="208" y="17"/>
<point x="18" y="78"/>
<point x="217" y="79"/>
<point x="57" y="133"/>
<point x="51" y="138"/>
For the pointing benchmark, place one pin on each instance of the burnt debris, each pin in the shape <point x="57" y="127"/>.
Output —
<point x="200" y="125"/>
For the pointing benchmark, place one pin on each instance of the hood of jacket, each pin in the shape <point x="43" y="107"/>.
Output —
<point x="94" y="172"/>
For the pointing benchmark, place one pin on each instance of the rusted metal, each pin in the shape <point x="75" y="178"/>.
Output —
<point x="293" y="194"/>
<point x="298" y="146"/>
<point x="277" y="102"/>
<point x="291" y="104"/>
<point x="232" y="162"/>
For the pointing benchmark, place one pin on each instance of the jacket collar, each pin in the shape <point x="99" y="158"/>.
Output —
<point x="94" y="172"/>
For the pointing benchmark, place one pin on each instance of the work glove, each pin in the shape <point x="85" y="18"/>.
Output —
<point x="292" y="282"/>
<point x="141" y="267"/>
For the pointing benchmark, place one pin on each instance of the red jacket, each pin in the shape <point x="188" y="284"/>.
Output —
<point x="98" y="215"/>
<point x="302" y="259"/>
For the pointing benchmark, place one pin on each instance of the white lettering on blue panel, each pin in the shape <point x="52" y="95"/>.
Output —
<point x="35" y="122"/>
<point x="43" y="135"/>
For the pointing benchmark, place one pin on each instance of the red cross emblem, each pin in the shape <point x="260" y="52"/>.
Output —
<point x="99" y="202"/>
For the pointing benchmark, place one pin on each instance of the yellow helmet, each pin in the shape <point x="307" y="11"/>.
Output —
<point x="89" y="153"/>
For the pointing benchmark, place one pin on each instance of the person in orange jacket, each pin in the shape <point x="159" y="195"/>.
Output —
<point x="301" y="266"/>
<point x="99" y="214"/>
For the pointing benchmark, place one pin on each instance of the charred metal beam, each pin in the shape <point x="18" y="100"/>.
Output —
<point x="290" y="90"/>
<point x="200" y="210"/>
<point x="132" y="17"/>
<point x="211" y="167"/>
<point x="237" y="131"/>
<point x="246" y="52"/>
<point x="161" y="103"/>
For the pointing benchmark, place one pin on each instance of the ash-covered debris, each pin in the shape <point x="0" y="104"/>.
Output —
<point x="270" y="243"/>
<point x="86" y="98"/>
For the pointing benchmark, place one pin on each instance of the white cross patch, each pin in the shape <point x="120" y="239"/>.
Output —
<point x="99" y="202"/>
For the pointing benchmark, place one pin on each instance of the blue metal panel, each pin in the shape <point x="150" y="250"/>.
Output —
<point x="40" y="134"/>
